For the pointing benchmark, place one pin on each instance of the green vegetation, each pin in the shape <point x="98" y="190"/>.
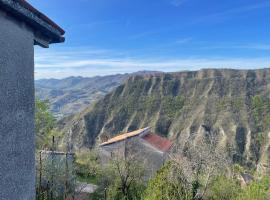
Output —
<point x="223" y="188"/>
<point x="88" y="167"/>
<point x="172" y="105"/>
<point x="44" y="123"/>
<point x="171" y="183"/>
<point x="261" y="112"/>
<point x="257" y="190"/>
<point x="235" y="104"/>
<point x="193" y="173"/>
<point x="168" y="184"/>
<point x="121" y="179"/>
<point x="55" y="179"/>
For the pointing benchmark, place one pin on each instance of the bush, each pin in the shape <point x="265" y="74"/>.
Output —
<point x="168" y="185"/>
<point x="223" y="188"/>
<point x="260" y="112"/>
<point x="87" y="165"/>
<point x="121" y="179"/>
<point x="258" y="190"/>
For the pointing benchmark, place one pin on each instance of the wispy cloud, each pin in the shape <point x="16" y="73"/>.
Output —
<point x="247" y="46"/>
<point x="65" y="63"/>
<point x="230" y="13"/>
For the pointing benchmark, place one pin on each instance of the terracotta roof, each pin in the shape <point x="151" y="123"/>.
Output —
<point x="26" y="12"/>
<point x="125" y="136"/>
<point x="158" y="142"/>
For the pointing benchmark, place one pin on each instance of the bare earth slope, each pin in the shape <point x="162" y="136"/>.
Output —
<point x="231" y="105"/>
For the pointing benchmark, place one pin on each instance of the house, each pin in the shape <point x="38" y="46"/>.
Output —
<point x="149" y="148"/>
<point x="21" y="27"/>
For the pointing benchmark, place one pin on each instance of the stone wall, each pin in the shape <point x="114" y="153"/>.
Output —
<point x="17" y="161"/>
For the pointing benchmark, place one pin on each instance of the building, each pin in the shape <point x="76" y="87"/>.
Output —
<point x="149" y="148"/>
<point x="21" y="27"/>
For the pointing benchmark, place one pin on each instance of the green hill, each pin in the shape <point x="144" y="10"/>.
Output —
<point x="231" y="105"/>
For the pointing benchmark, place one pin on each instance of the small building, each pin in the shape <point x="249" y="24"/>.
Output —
<point x="149" y="148"/>
<point x="21" y="27"/>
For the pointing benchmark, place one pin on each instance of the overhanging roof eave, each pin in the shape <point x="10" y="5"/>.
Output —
<point x="23" y="11"/>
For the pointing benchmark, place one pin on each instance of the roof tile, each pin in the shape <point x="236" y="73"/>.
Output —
<point x="158" y="142"/>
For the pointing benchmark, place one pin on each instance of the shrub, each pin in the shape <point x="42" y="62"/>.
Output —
<point x="258" y="190"/>
<point x="223" y="188"/>
<point x="168" y="185"/>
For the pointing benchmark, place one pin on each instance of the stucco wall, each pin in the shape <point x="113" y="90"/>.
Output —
<point x="17" y="169"/>
<point x="151" y="158"/>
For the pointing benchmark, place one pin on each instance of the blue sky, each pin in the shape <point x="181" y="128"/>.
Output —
<point x="117" y="36"/>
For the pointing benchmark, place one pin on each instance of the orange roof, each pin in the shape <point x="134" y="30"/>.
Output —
<point x="125" y="136"/>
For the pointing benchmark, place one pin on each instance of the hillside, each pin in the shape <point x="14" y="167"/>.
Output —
<point x="72" y="95"/>
<point x="231" y="105"/>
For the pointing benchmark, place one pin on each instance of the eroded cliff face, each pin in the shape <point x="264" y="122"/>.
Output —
<point x="233" y="106"/>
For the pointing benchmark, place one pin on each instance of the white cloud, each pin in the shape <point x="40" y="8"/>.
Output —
<point x="64" y="64"/>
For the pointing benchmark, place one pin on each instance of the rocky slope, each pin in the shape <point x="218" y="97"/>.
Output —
<point x="231" y="105"/>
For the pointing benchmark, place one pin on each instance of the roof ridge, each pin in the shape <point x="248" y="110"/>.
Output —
<point x="124" y="136"/>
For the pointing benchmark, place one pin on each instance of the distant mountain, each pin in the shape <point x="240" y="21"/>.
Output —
<point x="233" y="106"/>
<point x="73" y="94"/>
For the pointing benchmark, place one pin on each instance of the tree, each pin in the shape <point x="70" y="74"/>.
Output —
<point x="122" y="178"/>
<point x="44" y="123"/>
<point x="168" y="184"/>
<point x="200" y="161"/>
